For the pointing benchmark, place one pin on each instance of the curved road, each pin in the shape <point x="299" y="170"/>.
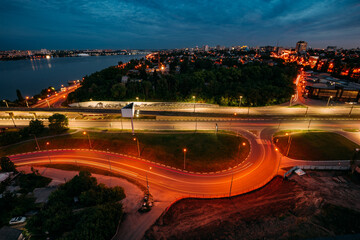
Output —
<point x="260" y="166"/>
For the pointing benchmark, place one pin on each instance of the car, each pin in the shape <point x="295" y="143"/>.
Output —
<point x="17" y="220"/>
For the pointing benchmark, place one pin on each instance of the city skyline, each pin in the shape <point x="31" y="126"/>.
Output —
<point x="161" y="24"/>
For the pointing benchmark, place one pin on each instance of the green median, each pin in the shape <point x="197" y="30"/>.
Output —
<point x="205" y="152"/>
<point x="316" y="146"/>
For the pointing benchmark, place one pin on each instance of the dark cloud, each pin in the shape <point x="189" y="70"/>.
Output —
<point x="64" y="24"/>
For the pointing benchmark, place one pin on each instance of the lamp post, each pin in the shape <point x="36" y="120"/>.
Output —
<point x="351" y="110"/>
<point x="137" y="98"/>
<point x="47" y="103"/>
<point x="138" y="145"/>
<point x="47" y="149"/>
<point x="147" y="182"/>
<point x="109" y="159"/>
<point x="184" y="150"/>
<point x="292" y="96"/>
<point x="240" y="101"/>
<point x="329" y="101"/>
<point x="6" y="103"/>
<point x="37" y="144"/>
<point x="88" y="136"/>
<point x="27" y="104"/>
<point x="194" y="97"/>
<point x="289" y="143"/>
<point x="231" y="183"/>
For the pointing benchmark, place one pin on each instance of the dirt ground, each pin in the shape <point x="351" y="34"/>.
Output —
<point x="318" y="204"/>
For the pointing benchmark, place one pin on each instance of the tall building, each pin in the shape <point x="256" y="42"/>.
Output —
<point x="301" y="47"/>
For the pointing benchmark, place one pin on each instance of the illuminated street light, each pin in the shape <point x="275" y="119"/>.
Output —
<point x="184" y="150"/>
<point x="88" y="135"/>
<point x="329" y="101"/>
<point x="147" y="182"/>
<point x="194" y="97"/>
<point x="37" y="144"/>
<point x="137" y="98"/>
<point x="47" y="149"/>
<point x="47" y="103"/>
<point x="292" y="96"/>
<point x="109" y="160"/>
<point x="6" y="103"/>
<point x="240" y="101"/>
<point x="138" y="145"/>
<point x="27" y="104"/>
<point x="289" y="144"/>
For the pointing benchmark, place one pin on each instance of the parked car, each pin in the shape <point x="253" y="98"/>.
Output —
<point x="17" y="220"/>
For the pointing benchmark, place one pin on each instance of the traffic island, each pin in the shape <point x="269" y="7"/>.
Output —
<point x="314" y="145"/>
<point x="196" y="152"/>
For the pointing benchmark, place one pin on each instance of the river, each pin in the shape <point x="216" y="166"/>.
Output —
<point x="30" y="76"/>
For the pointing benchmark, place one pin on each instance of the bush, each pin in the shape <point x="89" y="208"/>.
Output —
<point x="7" y="165"/>
<point x="36" y="127"/>
<point x="58" y="123"/>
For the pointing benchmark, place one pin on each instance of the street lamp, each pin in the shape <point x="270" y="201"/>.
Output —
<point x="138" y="145"/>
<point x="109" y="160"/>
<point x="292" y="96"/>
<point x="289" y="144"/>
<point x="240" y="101"/>
<point x="194" y="97"/>
<point x="47" y="149"/>
<point x="47" y="103"/>
<point x="137" y="98"/>
<point x="6" y="103"/>
<point x="88" y="135"/>
<point x="184" y="150"/>
<point x="27" y="104"/>
<point x="37" y="144"/>
<point x="329" y="101"/>
<point x="147" y="182"/>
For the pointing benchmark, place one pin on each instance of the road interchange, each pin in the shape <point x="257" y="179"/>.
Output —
<point x="259" y="168"/>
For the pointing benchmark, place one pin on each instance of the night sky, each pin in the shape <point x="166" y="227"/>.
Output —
<point x="147" y="24"/>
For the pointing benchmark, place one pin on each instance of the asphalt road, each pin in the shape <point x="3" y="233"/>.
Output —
<point x="55" y="100"/>
<point x="254" y="172"/>
<point x="261" y="165"/>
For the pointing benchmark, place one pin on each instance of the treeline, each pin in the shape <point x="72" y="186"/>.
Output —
<point x="259" y="84"/>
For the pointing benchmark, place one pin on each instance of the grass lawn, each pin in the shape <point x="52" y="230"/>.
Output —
<point x="205" y="151"/>
<point x="315" y="145"/>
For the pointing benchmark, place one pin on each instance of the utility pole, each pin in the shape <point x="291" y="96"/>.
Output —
<point x="307" y="108"/>
<point x="309" y="125"/>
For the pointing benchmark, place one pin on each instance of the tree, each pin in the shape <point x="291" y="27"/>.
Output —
<point x="118" y="91"/>
<point x="58" y="122"/>
<point x="19" y="95"/>
<point x="36" y="126"/>
<point x="7" y="165"/>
